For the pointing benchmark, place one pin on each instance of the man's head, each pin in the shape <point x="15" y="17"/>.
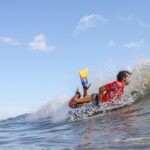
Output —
<point x="124" y="76"/>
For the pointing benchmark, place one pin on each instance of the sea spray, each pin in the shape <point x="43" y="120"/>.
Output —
<point x="56" y="110"/>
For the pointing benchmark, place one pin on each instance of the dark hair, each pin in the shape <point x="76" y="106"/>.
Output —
<point x="122" y="74"/>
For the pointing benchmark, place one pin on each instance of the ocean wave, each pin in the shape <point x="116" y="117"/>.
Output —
<point x="57" y="109"/>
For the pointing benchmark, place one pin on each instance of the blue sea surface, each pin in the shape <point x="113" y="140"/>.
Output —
<point x="125" y="128"/>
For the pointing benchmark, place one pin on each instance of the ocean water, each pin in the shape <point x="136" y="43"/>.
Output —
<point x="53" y="127"/>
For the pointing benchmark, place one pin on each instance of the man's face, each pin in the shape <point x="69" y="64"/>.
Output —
<point x="126" y="79"/>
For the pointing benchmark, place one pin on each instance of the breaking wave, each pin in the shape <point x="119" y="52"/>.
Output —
<point x="58" y="110"/>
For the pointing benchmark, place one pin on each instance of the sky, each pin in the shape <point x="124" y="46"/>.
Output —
<point x="45" y="43"/>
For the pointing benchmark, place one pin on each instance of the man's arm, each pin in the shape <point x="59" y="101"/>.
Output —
<point x="102" y="89"/>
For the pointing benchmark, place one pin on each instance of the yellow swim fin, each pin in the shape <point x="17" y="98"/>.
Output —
<point x="84" y="74"/>
<point x="84" y="78"/>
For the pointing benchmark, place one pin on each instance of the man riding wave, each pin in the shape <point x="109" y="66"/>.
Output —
<point x="107" y="93"/>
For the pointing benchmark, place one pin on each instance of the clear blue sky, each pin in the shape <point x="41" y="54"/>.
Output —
<point x="44" y="44"/>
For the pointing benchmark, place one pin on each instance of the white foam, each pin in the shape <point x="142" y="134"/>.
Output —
<point x="56" y="109"/>
<point x="134" y="139"/>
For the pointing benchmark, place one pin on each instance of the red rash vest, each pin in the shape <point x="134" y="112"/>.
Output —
<point x="114" y="91"/>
